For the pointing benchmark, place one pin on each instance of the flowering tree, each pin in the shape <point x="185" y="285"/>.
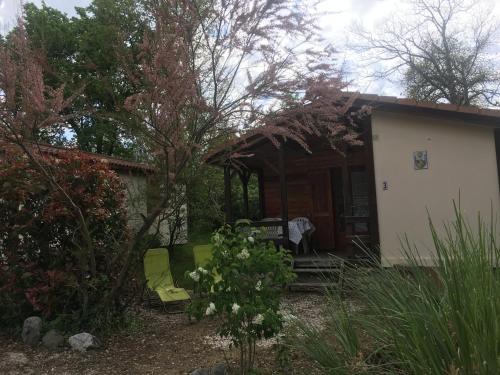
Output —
<point x="28" y="108"/>
<point x="208" y="69"/>
<point x="242" y="286"/>
<point x="205" y="70"/>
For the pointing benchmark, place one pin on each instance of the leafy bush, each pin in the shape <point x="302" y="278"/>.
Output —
<point x="242" y="285"/>
<point x="205" y="197"/>
<point x="45" y="267"/>
<point x="416" y="319"/>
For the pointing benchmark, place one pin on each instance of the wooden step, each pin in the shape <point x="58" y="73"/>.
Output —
<point x="318" y="264"/>
<point x="316" y="270"/>
<point x="310" y="286"/>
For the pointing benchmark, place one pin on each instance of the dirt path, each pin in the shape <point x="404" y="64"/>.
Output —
<point x="164" y="344"/>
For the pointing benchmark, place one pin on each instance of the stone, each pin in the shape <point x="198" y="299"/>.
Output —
<point x="84" y="341"/>
<point x="32" y="329"/>
<point x="53" y="340"/>
<point x="201" y="371"/>
<point x="219" y="369"/>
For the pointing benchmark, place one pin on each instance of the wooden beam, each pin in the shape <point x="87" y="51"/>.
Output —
<point x="228" y="209"/>
<point x="245" y="178"/>
<point x="284" y="194"/>
<point x="347" y="194"/>
<point x="262" y="202"/>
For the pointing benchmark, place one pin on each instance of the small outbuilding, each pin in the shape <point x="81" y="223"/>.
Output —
<point x="136" y="178"/>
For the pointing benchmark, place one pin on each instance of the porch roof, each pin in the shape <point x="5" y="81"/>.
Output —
<point x="470" y="114"/>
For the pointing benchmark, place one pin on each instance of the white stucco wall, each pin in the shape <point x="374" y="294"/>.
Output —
<point x="462" y="161"/>
<point x="136" y="202"/>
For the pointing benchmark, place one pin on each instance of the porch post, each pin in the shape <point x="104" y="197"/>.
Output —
<point x="227" y="195"/>
<point x="284" y="194"/>
<point x="262" y="204"/>
<point x="245" y="177"/>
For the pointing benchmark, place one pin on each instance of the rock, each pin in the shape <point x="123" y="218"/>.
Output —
<point x="32" y="328"/>
<point x="16" y="359"/>
<point x="219" y="369"/>
<point x="84" y="341"/>
<point x="53" y="340"/>
<point x="201" y="371"/>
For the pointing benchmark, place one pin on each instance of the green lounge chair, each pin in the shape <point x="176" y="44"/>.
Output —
<point x="203" y="255"/>
<point x="159" y="277"/>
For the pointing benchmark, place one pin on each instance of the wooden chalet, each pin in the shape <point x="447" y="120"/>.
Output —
<point x="376" y="192"/>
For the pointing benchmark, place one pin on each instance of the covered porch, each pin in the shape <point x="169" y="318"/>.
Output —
<point x="332" y="190"/>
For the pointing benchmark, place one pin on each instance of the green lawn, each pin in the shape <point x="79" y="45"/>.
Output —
<point x="181" y="259"/>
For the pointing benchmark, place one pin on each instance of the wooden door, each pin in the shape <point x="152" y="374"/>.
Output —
<point x="322" y="210"/>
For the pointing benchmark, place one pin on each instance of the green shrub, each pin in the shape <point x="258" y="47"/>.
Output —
<point x="242" y="286"/>
<point x="44" y="268"/>
<point x="417" y="319"/>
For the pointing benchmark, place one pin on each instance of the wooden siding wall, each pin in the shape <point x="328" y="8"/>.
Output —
<point x="310" y="193"/>
<point x="298" y="169"/>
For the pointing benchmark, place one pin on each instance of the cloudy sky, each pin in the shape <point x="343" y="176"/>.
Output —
<point x="337" y="17"/>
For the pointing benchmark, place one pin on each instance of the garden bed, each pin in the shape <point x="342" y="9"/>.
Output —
<point x="157" y="343"/>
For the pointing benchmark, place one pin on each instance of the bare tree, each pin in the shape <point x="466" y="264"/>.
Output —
<point x="440" y="50"/>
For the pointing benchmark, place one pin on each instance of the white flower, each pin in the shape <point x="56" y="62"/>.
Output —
<point x="258" y="319"/>
<point x="194" y="275"/>
<point x="235" y="308"/>
<point x="228" y="289"/>
<point x="258" y="287"/>
<point x="202" y="270"/>
<point x="287" y="316"/>
<point x="243" y="255"/>
<point x="251" y="239"/>
<point x="210" y="309"/>
<point x="217" y="238"/>
<point x="21" y="237"/>
<point x="21" y="206"/>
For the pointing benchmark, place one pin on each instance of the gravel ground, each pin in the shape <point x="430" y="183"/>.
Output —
<point x="165" y="344"/>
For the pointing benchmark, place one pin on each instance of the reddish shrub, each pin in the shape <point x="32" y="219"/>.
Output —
<point x="42" y="261"/>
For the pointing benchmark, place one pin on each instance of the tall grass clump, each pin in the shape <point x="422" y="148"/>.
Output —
<point x="417" y="319"/>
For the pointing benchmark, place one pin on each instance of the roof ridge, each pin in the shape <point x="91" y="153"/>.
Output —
<point x="111" y="160"/>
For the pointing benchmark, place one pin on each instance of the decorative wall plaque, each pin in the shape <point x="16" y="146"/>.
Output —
<point x="420" y="160"/>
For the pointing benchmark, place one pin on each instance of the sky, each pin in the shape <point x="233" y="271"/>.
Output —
<point x="337" y="18"/>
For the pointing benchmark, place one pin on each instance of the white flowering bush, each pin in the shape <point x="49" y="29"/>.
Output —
<point x="242" y="286"/>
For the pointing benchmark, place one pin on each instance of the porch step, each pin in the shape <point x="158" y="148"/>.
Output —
<point x="309" y="286"/>
<point x="315" y="273"/>
<point x="315" y="270"/>
<point x="317" y="262"/>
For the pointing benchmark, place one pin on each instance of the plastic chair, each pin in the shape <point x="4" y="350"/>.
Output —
<point x="202" y="256"/>
<point x="159" y="277"/>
